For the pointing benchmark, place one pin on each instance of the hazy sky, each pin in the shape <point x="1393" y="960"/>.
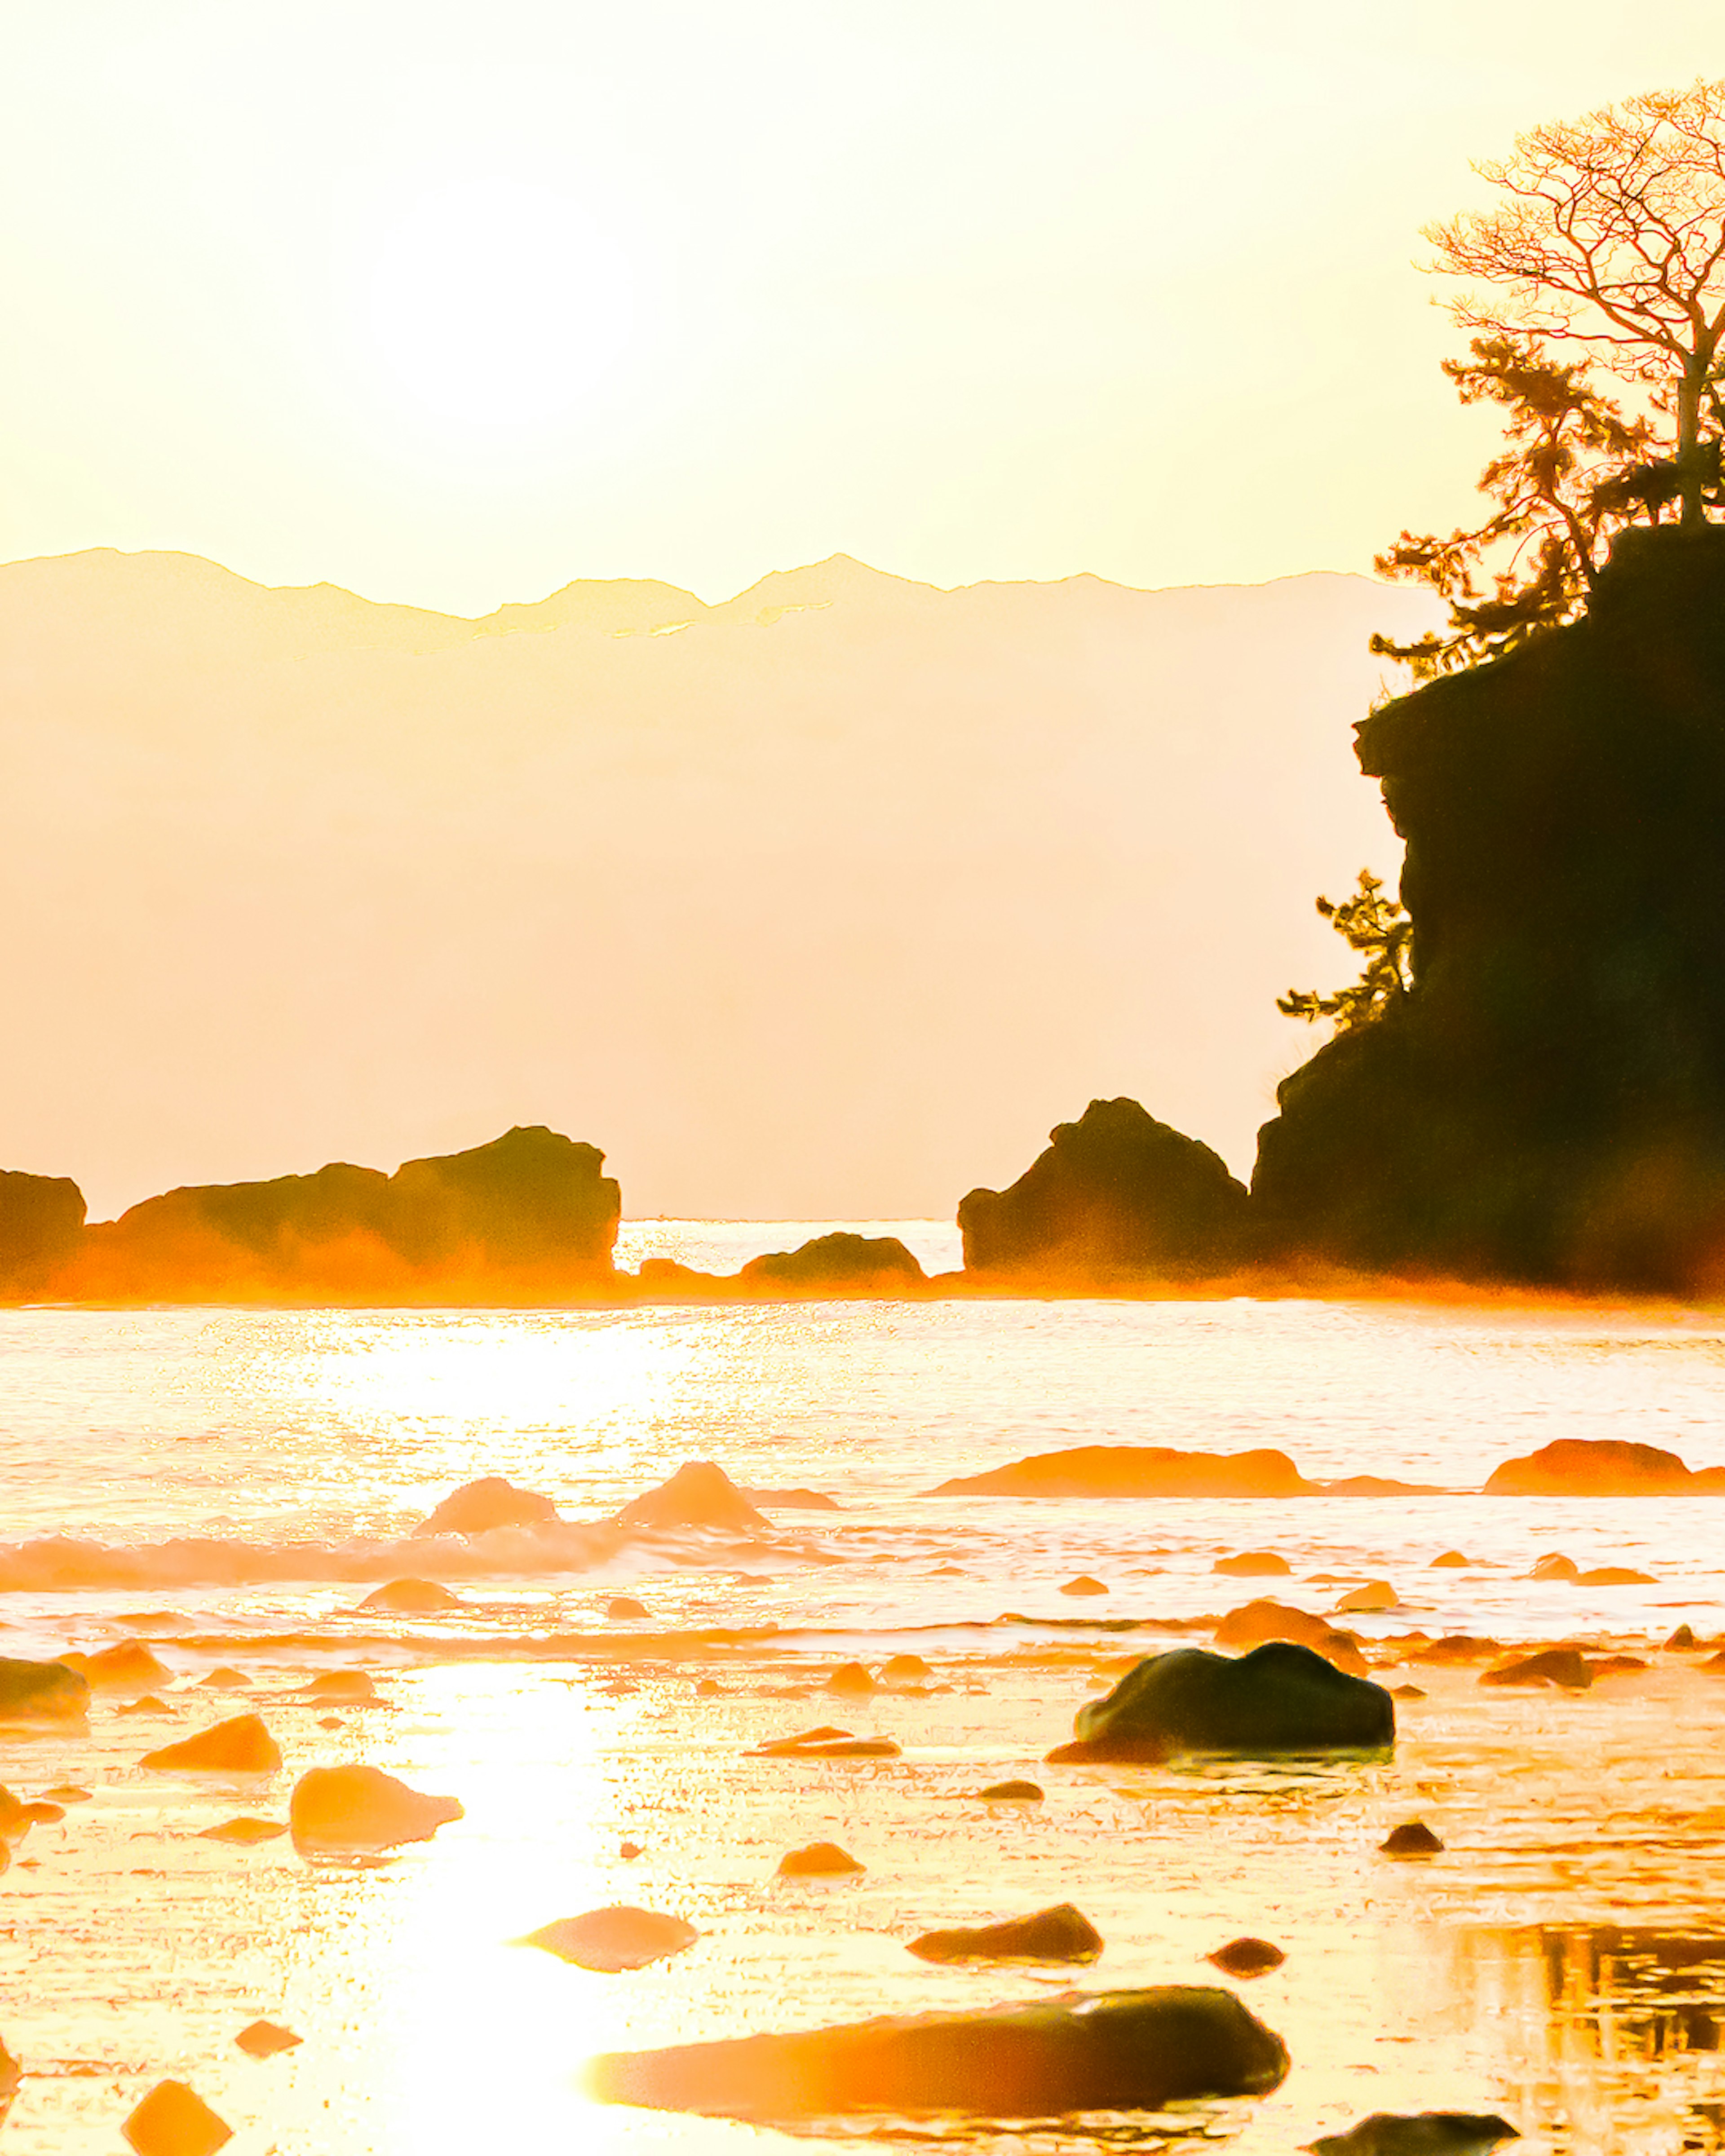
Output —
<point x="451" y="304"/>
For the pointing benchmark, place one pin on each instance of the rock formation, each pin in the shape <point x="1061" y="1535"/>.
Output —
<point x="1135" y="1470"/>
<point x="1117" y="1196"/>
<point x="41" y="1219"/>
<point x="1278" y="1698"/>
<point x="700" y="1494"/>
<point x="839" y="1264"/>
<point x="1547" y="1103"/>
<point x="1601" y="1467"/>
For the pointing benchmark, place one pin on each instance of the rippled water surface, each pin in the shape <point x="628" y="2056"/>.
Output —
<point x="231" y="1484"/>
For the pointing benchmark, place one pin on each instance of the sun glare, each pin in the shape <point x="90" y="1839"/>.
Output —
<point x="499" y="305"/>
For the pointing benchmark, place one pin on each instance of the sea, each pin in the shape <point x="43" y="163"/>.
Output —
<point x="229" y="1485"/>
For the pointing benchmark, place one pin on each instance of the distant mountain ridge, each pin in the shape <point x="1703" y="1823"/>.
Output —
<point x="821" y="901"/>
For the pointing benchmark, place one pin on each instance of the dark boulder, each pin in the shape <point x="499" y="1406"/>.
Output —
<point x="477" y="1507"/>
<point x="41" y="1220"/>
<point x="530" y="1202"/>
<point x="41" y="1691"/>
<point x="839" y="1264"/>
<point x="1547" y="1102"/>
<point x="1061" y="1933"/>
<point x="1117" y="2050"/>
<point x="1564" y="1666"/>
<point x="1012" y="1793"/>
<point x="1135" y="1470"/>
<point x="1116" y="1196"/>
<point x="700" y="1494"/>
<point x="1412" y="1838"/>
<point x="1247" y="1957"/>
<point x="1278" y="1698"/>
<point x="1592" y="1467"/>
<point x="1419" y="2134"/>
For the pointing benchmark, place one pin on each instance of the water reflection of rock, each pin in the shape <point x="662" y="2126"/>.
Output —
<point x="1607" y="2036"/>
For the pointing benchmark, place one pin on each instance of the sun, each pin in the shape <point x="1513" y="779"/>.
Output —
<point x="498" y="304"/>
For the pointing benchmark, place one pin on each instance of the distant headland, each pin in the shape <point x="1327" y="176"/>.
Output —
<point x="1544" y="1107"/>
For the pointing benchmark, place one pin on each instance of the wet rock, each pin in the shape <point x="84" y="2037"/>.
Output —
<point x="1253" y="1564"/>
<point x="243" y="1746"/>
<point x="709" y="1688"/>
<point x="1378" y="1594"/>
<point x="477" y="1507"/>
<point x="129" y="1665"/>
<point x="1414" y="1838"/>
<point x="852" y="1679"/>
<point x="1419" y="2133"/>
<point x="1556" y="1566"/>
<point x="793" y="1500"/>
<point x="609" y="1940"/>
<point x="1615" y="1575"/>
<point x="1256" y="1623"/>
<point x="821" y="1860"/>
<point x="905" y="1669"/>
<point x="350" y="1808"/>
<point x="629" y="1851"/>
<point x="330" y="1721"/>
<point x="840" y="1263"/>
<point x="149" y="1704"/>
<point x="1021" y="1793"/>
<point x="68" y="1793"/>
<point x="352" y="1687"/>
<point x="412" y="1598"/>
<point x="15" y="1822"/>
<point x="44" y="1813"/>
<point x="1061" y="1933"/>
<point x="1451" y="1561"/>
<point x="174" y="2121"/>
<point x="245" y="1833"/>
<point x="224" y="1679"/>
<point x="264" y="2039"/>
<point x="1681" y="1641"/>
<point x="1084" y="1584"/>
<point x="700" y="1494"/>
<point x="1120" y="2051"/>
<point x="1247" y="1957"/>
<point x="41" y="1691"/>
<point x="1279" y="1697"/>
<point x="1456" y="1647"/>
<point x="1714" y="1666"/>
<point x="12" y="2077"/>
<point x="623" y="1608"/>
<point x="1136" y="1471"/>
<point x="1592" y="1467"/>
<point x="1566" y="1666"/>
<point x="1407" y="1692"/>
<point x="825" y="1743"/>
<point x="1616" y="1666"/>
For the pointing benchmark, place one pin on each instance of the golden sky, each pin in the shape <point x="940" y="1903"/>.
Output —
<point x="451" y="304"/>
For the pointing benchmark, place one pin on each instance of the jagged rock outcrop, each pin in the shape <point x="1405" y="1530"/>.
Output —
<point x="1548" y="1102"/>
<point x="41" y="1218"/>
<point x="1116" y="1196"/>
<point x="531" y="1209"/>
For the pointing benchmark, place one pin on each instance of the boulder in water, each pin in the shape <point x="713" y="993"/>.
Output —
<point x="1419" y="2134"/>
<point x="1061" y="1933"/>
<point x="1118" y="2050"/>
<point x="354" y="1808"/>
<point x="839" y="1264"/>
<point x="1592" y="1467"/>
<point x="851" y="1681"/>
<point x="173" y="2120"/>
<point x="1554" y="1565"/>
<point x="1565" y="1666"/>
<point x="700" y="1494"/>
<point x="264" y="2039"/>
<point x="129" y="1665"/>
<point x="1412" y="1838"/>
<point x="793" y="1500"/>
<point x="412" y="1598"/>
<point x="1451" y="1561"/>
<point x="243" y="1746"/>
<point x="1084" y="1583"/>
<point x="225" y="1678"/>
<point x="1011" y="1793"/>
<point x="611" y="1939"/>
<point x="1615" y="1575"/>
<point x="1135" y="1470"/>
<point x="1278" y="1698"/>
<point x="41" y="1691"/>
<point x="476" y="1507"/>
<point x="349" y="1687"/>
<point x="905" y="1669"/>
<point x="625" y="1609"/>
<point x="1255" y="1623"/>
<point x="821" y="1860"/>
<point x="1247" y="1957"/>
<point x="246" y="1833"/>
<point x="1253" y="1564"/>
<point x="1376" y="1595"/>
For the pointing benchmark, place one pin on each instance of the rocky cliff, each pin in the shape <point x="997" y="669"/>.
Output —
<point x="1548" y="1103"/>
<point x="41" y="1218"/>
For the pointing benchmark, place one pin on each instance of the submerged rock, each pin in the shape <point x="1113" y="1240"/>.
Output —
<point x="1592" y="1467"/>
<point x="264" y="2039"/>
<point x="1247" y="1957"/>
<point x="41" y="1691"/>
<point x="625" y="1609"/>
<point x="904" y="1669"/>
<point x="225" y="1679"/>
<point x="1566" y="1666"/>
<point x="476" y="1507"/>
<point x="355" y="1808"/>
<point x="1117" y="1195"/>
<point x="1061" y="1933"/>
<point x="412" y="1598"/>
<point x="353" y="1687"/>
<point x="821" y="1860"/>
<point x="1118" y="2050"/>
<point x="850" y="1680"/>
<point x="1554" y="1565"/>
<point x="793" y="1500"/>
<point x="1413" y="1838"/>
<point x="1255" y="1624"/>
<point x="1084" y="1583"/>
<point x="174" y="2121"/>
<point x="839" y="1264"/>
<point x="1253" y="1564"/>
<point x="243" y="1746"/>
<point x="1278" y="1698"/>
<point x="611" y="1939"/>
<point x="700" y="1494"/>
<point x="1419" y="2134"/>
<point x="246" y="1833"/>
<point x="1020" y="1792"/>
<point x="1378" y="1594"/>
<point x="1135" y="1470"/>
<point x="1451" y="1561"/>
<point x="1615" y="1575"/>
<point x="129" y="1665"/>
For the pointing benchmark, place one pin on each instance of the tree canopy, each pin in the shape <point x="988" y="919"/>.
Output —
<point x="1605" y="258"/>
<point x="1373" y="923"/>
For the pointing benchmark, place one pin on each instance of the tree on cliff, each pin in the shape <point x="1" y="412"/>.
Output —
<point x="1610" y="241"/>
<point x="1373" y="923"/>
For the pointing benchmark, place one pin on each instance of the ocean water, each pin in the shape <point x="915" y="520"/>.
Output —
<point x="230" y="1483"/>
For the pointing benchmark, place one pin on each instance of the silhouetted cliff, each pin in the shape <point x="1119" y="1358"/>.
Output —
<point x="1547" y="1104"/>
<point x="41" y="1217"/>
<point x="1116" y="1196"/>
<point x="531" y="1209"/>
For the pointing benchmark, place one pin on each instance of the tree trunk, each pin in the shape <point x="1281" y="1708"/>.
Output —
<point x="1690" y="475"/>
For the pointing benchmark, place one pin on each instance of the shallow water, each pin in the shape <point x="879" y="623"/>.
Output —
<point x="238" y="1478"/>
